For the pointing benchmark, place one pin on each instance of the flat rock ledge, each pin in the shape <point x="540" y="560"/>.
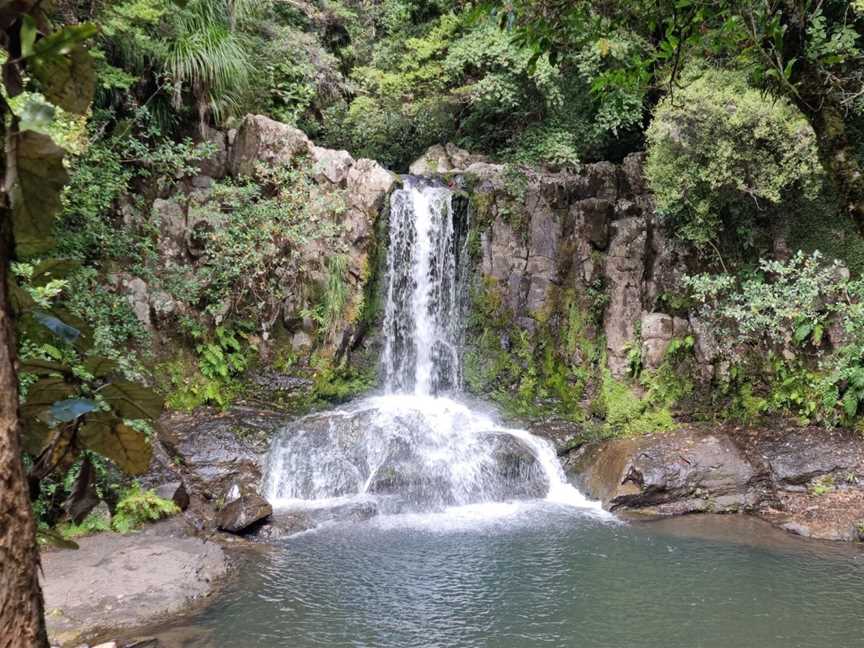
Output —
<point x="117" y="581"/>
<point x="806" y="480"/>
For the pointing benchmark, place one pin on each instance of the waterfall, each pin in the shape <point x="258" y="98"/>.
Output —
<point x="423" y="316"/>
<point x="411" y="449"/>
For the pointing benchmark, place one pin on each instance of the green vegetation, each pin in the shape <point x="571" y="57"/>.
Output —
<point x="797" y="329"/>
<point x="722" y="158"/>
<point x="531" y="374"/>
<point x="136" y="507"/>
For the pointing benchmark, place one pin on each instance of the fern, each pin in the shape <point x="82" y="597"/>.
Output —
<point x="139" y="506"/>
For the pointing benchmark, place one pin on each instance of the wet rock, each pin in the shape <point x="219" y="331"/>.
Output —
<point x="685" y="471"/>
<point x="284" y="524"/>
<point x="237" y="516"/>
<point x="519" y="474"/>
<point x="349" y="512"/>
<point x="797" y="529"/>
<point x="215" y="450"/>
<point x="565" y="436"/>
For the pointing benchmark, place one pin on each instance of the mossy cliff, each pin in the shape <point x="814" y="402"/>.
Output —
<point x="264" y="281"/>
<point x="583" y="308"/>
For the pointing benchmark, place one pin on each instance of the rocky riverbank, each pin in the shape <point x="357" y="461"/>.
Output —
<point x="117" y="581"/>
<point x="808" y="481"/>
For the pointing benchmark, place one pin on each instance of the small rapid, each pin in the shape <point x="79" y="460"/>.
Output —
<point x="418" y="449"/>
<point x="412" y="453"/>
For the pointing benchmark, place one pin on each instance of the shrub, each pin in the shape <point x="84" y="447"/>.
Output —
<point x="721" y="154"/>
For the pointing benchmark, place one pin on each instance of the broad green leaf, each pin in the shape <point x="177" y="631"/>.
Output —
<point x="35" y="436"/>
<point x="72" y="408"/>
<point x="850" y="403"/>
<point x="60" y="329"/>
<point x="43" y="394"/>
<point x="99" y="366"/>
<point x="106" y="434"/>
<point x="64" y="68"/>
<point x="802" y="331"/>
<point x="35" y="412"/>
<point x="37" y="177"/>
<point x="43" y="367"/>
<point x="131" y="400"/>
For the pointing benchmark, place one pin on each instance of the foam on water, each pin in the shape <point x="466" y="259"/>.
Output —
<point x="412" y="453"/>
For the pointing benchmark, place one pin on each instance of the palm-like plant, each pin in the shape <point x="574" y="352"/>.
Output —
<point x="208" y="53"/>
<point x="200" y="48"/>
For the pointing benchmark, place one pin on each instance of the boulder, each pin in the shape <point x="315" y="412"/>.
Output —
<point x="368" y="184"/>
<point x="174" y="491"/>
<point x="242" y="513"/>
<point x="215" y="166"/>
<point x="261" y="140"/>
<point x="443" y="159"/>
<point x="685" y="471"/>
<point x="331" y="166"/>
<point x="796" y="456"/>
<point x="215" y="451"/>
<point x="283" y="525"/>
<point x="170" y="217"/>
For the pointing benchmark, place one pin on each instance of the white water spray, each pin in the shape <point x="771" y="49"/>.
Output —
<point x="413" y="451"/>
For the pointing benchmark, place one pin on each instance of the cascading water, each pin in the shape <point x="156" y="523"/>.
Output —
<point x="423" y="319"/>
<point x="412" y="450"/>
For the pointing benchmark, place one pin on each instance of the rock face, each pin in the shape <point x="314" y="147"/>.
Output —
<point x="551" y="235"/>
<point x="352" y="193"/>
<point x="207" y="461"/>
<point x="809" y="481"/>
<point x="680" y="472"/>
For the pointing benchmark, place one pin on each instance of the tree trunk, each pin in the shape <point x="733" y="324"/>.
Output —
<point x="839" y="158"/>
<point x="22" y="623"/>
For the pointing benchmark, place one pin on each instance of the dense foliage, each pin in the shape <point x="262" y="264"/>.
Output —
<point x="750" y="115"/>
<point x="722" y="156"/>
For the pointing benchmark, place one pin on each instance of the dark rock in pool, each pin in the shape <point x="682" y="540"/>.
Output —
<point x="244" y="512"/>
<point x="283" y="525"/>
<point x="685" y="471"/>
